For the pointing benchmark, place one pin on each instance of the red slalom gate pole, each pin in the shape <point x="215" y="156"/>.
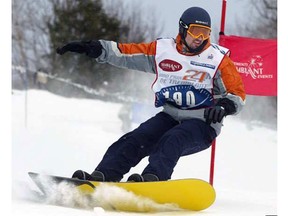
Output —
<point x="212" y="162"/>
<point x="213" y="145"/>
<point x="223" y="17"/>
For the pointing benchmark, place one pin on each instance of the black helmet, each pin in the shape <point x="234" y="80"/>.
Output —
<point x="193" y="15"/>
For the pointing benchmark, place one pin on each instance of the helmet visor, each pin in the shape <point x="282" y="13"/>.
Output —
<point x="198" y="30"/>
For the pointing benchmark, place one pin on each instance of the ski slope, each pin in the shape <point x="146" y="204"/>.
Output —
<point x="57" y="136"/>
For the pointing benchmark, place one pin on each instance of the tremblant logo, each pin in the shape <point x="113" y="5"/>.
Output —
<point x="254" y="68"/>
<point x="170" y="65"/>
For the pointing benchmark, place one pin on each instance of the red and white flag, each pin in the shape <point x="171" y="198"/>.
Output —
<point x="256" y="61"/>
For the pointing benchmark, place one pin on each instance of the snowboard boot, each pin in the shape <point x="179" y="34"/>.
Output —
<point x="147" y="177"/>
<point x="95" y="175"/>
<point x="135" y="178"/>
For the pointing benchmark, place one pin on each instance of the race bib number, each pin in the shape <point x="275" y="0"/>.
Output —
<point x="184" y="97"/>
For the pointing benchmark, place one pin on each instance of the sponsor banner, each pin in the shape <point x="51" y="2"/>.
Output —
<point x="256" y="61"/>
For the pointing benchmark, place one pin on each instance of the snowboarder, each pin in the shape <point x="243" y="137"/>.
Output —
<point x="196" y="83"/>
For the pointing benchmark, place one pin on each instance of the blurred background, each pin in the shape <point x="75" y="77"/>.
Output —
<point x="39" y="27"/>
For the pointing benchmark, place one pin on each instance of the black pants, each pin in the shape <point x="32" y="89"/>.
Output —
<point x="161" y="138"/>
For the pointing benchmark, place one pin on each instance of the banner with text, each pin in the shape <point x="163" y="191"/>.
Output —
<point x="256" y="61"/>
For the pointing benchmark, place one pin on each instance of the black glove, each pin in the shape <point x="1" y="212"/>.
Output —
<point x="222" y="108"/>
<point x="91" y="48"/>
<point x="214" y="114"/>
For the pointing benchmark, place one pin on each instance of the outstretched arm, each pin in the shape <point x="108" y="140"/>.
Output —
<point x="132" y="56"/>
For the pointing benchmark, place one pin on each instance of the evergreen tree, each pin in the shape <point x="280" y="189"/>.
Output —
<point x="82" y="20"/>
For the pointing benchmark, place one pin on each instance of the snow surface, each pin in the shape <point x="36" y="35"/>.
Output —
<point x="60" y="135"/>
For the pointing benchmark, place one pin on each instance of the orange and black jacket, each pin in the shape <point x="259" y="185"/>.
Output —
<point x="141" y="56"/>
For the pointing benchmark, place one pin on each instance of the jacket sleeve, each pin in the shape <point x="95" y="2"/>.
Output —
<point x="228" y="83"/>
<point x="131" y="56"/>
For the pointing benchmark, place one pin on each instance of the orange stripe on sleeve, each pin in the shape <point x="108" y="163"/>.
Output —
<point x="141" y="48"/>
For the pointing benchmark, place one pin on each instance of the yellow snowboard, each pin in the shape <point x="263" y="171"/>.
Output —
<point x="186" y="194"/>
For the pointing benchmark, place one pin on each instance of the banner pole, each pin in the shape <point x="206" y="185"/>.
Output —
<point x="223" y="17"/>
<point x="213" y="146"/>
<point x="212" y="162"/>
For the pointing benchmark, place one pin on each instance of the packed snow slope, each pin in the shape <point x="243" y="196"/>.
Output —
<point x="56" y="135"/>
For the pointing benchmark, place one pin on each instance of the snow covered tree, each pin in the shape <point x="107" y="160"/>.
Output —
<point x="39" y="27"/>
<point x="264" y="24"/>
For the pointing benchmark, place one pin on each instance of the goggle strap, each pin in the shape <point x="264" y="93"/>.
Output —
<point x="184" y="25"/>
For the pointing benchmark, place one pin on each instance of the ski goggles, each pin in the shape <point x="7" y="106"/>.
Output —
<point x="198" y="30"/>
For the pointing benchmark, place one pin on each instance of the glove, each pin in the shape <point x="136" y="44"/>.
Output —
<point x="222" y="108"/>
<point x="214" y="114"/>
<point x="91" y="48"/>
